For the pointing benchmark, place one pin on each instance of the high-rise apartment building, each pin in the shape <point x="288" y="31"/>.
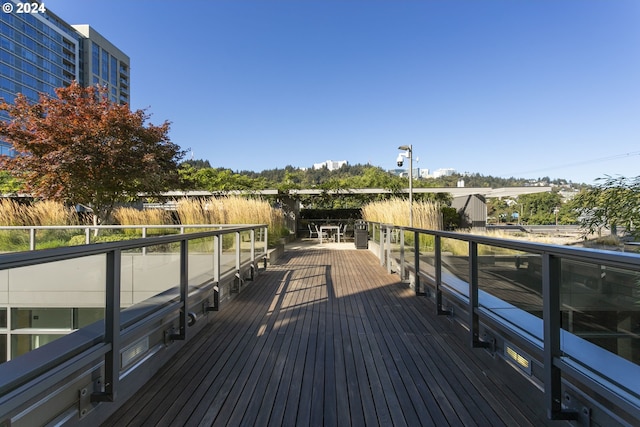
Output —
<point x="40" y="52"/>
<point x="101" y="63"/>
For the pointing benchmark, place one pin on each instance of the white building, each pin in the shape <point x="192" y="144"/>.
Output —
<point x="330" y="164"/>
<point x="443" y="172"/>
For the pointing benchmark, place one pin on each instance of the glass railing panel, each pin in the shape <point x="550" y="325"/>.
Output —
<point x="261" y="241"/>
<point x="14" y="240"/>
<point x="113" y="235"/>
<point x="395" y="238"/>
<point x="427" y="252"/>
<point x="512" y="276"/>
<point x="228" y="255"/>
<point x="59" y="237"/>
<point x="151" y="273"/>
<point x="52" y="299"/>
<point x="374" y="232"/>
<point x="245" y="246"/>
<point x="159" y="231"/>
<point x="455" y="263"/>
<point x="601" y="304"/>
<point x="201" y="261"/>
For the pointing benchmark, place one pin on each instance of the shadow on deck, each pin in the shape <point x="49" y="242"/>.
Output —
<point x="328" y="337"/>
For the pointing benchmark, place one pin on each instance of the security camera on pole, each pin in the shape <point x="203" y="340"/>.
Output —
<point x="408" y="153"/>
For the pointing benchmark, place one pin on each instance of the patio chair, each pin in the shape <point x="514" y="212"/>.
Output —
<point x="312" y="232"/>
<point x="325" y="235"/>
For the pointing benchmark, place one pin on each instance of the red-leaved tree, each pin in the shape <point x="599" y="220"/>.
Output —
<point x="83" y="148"/>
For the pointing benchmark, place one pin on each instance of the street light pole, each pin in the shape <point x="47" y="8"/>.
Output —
<point x="409" y="154"/>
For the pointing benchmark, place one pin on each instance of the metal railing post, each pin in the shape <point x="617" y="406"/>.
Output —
<point x="416" y="249"/>
<point x="551" y="315"/>
<point x="184" y="291"/>
<point x="217" y="255"/>
<point x="253" y="245"/>
<point x="266" y="240"/>
<point x="402" y="266"/>
<point x="252" y="235"/>
<point x="112" y="329"/>
<point x="388" y="248"/>
<point x="32" y="239"/>
<point x="474" y="319"/>
<point x="438" y="267"/>
<point x="381" y="244"/>
<point x="144" y="236"/>
<point x="238" y="251"/>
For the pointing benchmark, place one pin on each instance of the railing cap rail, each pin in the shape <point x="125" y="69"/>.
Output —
<point x="27" y="258"/>
<point x="611" y="258"/>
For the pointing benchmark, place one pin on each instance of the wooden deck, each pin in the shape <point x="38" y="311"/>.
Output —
<point x="327" y="337"/>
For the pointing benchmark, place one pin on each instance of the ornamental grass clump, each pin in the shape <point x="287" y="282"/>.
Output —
<point x="232" y="210"/>
<point x="41" y="212"/>
<point x="132" y="216"/>
<point x="426" y="214"/>
<point x="12" y="213"/>
<point x="193" y="211"/>
<point x="50" y="213"/>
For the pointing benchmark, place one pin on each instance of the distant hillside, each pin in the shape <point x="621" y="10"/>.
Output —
<point x="197" y="176"/>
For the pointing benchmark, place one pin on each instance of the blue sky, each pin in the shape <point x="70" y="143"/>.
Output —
<point x="503" y="88"/>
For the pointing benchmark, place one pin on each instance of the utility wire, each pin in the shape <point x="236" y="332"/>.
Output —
<point x="581" y="163"/>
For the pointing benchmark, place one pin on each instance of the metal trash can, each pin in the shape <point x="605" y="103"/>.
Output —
<point x="361" y="234"/>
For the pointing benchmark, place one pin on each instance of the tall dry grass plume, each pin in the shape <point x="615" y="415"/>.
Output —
<point x="12" y="213"/>
<point x="47" y="212"/>
<point x="426" y="214"/>
<point x="42" y="212"/>
<point x="228" y="210"/>
<point x="132" y="216"/>
<point x="232" y="210"/>
<point x="194" y="211"/>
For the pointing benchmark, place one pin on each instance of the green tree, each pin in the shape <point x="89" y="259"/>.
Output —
<point x="611" y="203"/>
<point x="499" y="210"/>
<point x="225" y="180"/>
<point x="80" y="147"/>
<point x="197" y="163"/>
<point x="539" y="208"/>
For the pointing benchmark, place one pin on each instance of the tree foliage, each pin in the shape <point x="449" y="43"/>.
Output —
<point x="9" y="184"/>
<point x="216" y="180"/>
<point x="539" y="208"/>
<point x="80" y="147"/>
<point x="611" y="203"/>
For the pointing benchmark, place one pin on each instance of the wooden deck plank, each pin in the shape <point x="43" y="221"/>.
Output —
<point x="329" y="338"/>
<point x="388" y="406"/>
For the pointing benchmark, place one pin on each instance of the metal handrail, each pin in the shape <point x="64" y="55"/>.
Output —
<point x="562" y="354"/>
<point x="26" y="377"/>
<point x="87" y="229"/>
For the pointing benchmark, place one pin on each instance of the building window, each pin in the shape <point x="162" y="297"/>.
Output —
<point x="21" y="344"/>
<point x="114" y="71"/>
<point x="95" y="59"/>
<point x="105" y="65"/>
<point x="3" y="348"/>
